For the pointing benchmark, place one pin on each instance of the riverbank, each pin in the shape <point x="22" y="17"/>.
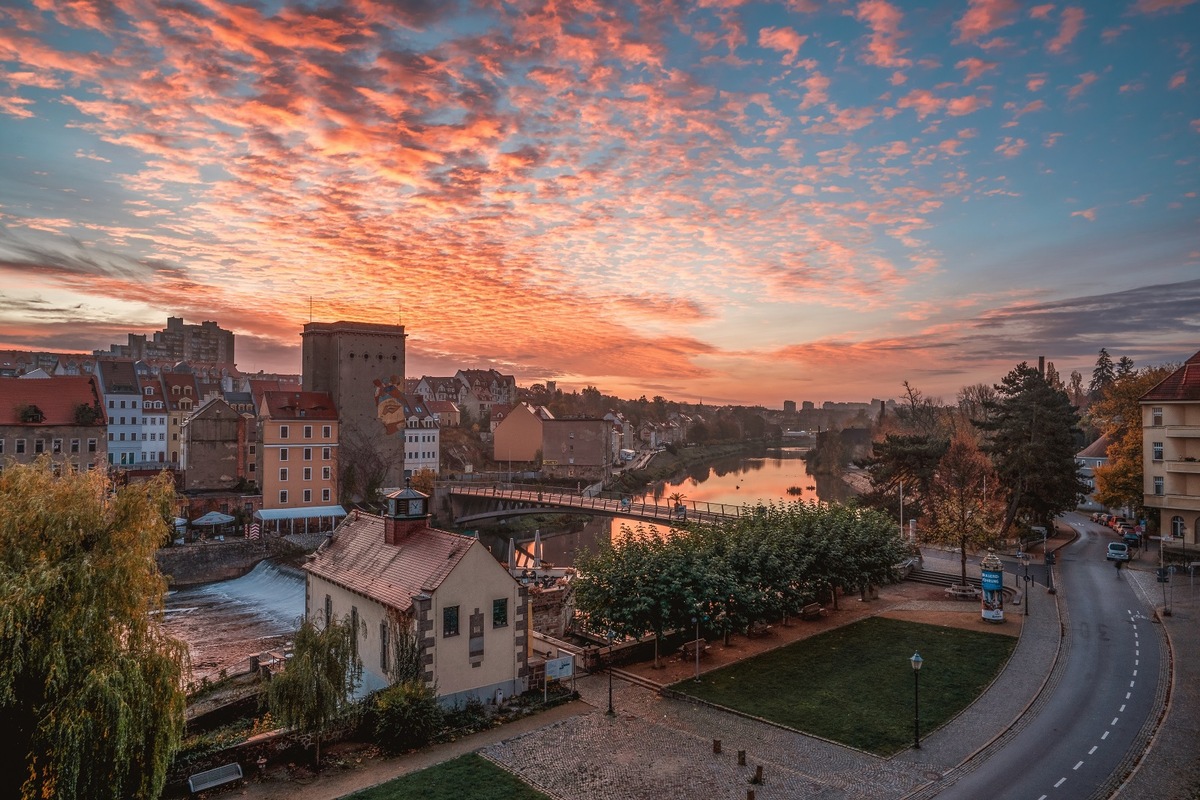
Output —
<point x="671" y="462"/>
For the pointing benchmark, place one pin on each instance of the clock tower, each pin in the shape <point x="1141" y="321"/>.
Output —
<point x="407" y="512"/>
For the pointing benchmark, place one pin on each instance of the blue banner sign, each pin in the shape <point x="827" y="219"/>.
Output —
<point x="992" y="580"/>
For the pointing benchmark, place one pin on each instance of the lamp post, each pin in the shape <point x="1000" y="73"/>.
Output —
<point x="696" y="619"/>
<point x="610" y="711"/>
<point x="901" y="508"/>
<point x="1026" y="587"/>
<point x="916" y="667"/>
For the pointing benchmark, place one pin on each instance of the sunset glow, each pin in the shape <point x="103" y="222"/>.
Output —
<point x="723" y="201"/>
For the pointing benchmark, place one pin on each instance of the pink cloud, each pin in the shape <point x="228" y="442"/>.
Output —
<point x="1089" y="214"/>
<point x="1178" y="80"/>
<point x="1085" y="80"/>
<point x="883" y="19"/>
<point x="961" y="106"/>
<point x="785" y="40"/>
<point x="983" y="18"/>
<point x="975" y="67"/>
<point x="1041" y="12"/>
<point x="922" y="101"/>
<point x="1109" y="35"/>
<point x="1010" y="147"/>
<point x="1072" y="23"/>
<point x="1034" y="83"/>
<point x="816" y="90"/>
<point x="1160" y="6"/>
<point x="16" y="107"/>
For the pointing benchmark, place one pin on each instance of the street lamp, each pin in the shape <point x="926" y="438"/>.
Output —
<point x="610" y="711"/>
<point x="1026" y="598"/>
<point x="916" y="666"/>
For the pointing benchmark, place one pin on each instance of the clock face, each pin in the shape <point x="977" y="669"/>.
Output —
<point x="416" y="507"/>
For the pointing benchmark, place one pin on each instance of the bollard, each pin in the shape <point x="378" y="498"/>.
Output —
<point x="717" y="746"/>
<point x="749" y="794"/>
<point x="757" y="774"/>
<point x="741" y="758"/>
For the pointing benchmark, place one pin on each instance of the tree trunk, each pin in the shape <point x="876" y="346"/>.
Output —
<point x="963" y="551"/>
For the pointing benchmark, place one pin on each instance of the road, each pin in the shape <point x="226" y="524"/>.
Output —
<point x="1078" y="739"/>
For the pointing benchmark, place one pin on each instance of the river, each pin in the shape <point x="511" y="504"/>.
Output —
<point x="225" y="623"/>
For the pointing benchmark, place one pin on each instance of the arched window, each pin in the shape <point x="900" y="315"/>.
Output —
<point x="1177" y="526"/>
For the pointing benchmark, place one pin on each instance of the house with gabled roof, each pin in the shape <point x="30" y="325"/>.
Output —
<point x="500" y="388"/>
<point x="394" y="575"/>
<point x="1171" y="451"/>
<point x="298" y="449"/>
<point x="518" y="437"/>
<point x="62" y="417"/>
<point x="123" y="402"/>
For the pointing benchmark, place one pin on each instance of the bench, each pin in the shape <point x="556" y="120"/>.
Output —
<point x="812" y="611"/>
<point x="758" y="628"/>
<point x="217" y="776"/>
<point x="689" y="650"/>
<point x="959" y="592"/>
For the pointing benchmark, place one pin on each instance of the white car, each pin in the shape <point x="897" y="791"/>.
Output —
<point x="1118" y="551"/>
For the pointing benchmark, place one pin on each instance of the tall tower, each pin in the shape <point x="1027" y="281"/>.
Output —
<point x="361" y="365"/>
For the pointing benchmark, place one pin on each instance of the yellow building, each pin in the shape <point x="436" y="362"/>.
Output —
<point x="1171" y="451"/>
<point x="298" y="446"/>
<point x="393" y="575"/>
<point x="518" y="437"/>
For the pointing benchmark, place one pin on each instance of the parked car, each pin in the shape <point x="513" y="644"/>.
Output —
<point x="1118" y="551"/>
<point x="1132" y="539"/>
<point x="1113" y="522"/>
<point x="1096" y="515"/>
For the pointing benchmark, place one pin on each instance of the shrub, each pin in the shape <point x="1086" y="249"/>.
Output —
<point x="405" y="716"/>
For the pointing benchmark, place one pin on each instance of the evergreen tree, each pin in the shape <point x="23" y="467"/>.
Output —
<point x="1031" y="441"/>
<point x="1102" y="375"/>
<point x="1124" y="367"/>
<point x="90" y="686"/>
<point x="903" y="463"/>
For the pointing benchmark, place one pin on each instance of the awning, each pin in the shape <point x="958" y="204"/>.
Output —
<point x="213" y="518"/>
<point x="309" y="512"/>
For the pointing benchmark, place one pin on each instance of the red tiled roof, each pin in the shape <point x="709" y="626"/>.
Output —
<point x="259" y="386"/>
<point x="1181" y="385"/>
<point x="1097" y="449"/>
<point x="358" y="558"/>
<point x="299" y="405"/>
<point x="55" y="397"/>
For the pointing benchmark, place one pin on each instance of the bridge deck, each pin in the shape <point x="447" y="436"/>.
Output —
<point x="606" y="504"/>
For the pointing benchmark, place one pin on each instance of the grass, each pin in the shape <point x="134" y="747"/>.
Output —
<point x="469" y="777"/>
<point x="855" y="684"/>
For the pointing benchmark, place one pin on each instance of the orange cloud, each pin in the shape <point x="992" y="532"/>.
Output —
<point x="785" y="40"/>
<point x="983" y="18"/>
<point x="1072" y="23"/>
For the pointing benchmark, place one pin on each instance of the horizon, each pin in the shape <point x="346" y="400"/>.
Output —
<point x="735" y="202"/>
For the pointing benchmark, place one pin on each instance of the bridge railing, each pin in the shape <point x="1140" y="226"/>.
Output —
<point x="613" y="502"/>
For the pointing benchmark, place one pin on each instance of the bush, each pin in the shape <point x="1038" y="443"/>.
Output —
<point x="405" y="716"/>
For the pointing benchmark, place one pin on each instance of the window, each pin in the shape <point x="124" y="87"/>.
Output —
<point x="308" y="454"/>
<point x="328" y="608"/>
<point x="326" y="431"/>
<point x="1158" y="450"/>
<point x="308" y="473"/>
<point x="112" y="403"/>
<point x="252" y="449"/>
<point x="324" y="495"/>
<point x="326" y="453"/>
<point x="283" y="473"/>
<point x="39" y="445"/>
<point x="20" y="446"/>
<point x="283" y="496"/>
<point x="133" y="420"/>
<point x="1177" y="527"/>
<point x="308" y="495"/>
<point x="283" y="454"/>
<point x="354" y="628"/>
<point x="112" y="436"/>
<point x="56" y="446"/>
<point x="91" y="445"/>
<point x="450" y="621"/>
<point x="74" y="446"/>
<point x="308" y="431"/>
<point x="283" y="431"/>
<point x="122" y="405"/>
<point x="1158" y="485"/>
<point x="1" y="446"/>
<point x="326" y="473"/>
<point x="500" y="613"/>
<point x="1156" y="416"/>
<point x="383" y="647"/>
<point x="251" y="467"/>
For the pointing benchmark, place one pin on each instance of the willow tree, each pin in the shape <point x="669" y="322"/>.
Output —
<point x="315" y="691"/>
<point x="91" y="697"/>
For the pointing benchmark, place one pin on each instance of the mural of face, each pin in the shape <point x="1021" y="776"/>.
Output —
<point x="389" y="403"/>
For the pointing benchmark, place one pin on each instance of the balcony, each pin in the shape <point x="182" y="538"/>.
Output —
<point x="1182" y="431"/>
<point x="1172" y="502"/>
<point x="1192" y="467"/>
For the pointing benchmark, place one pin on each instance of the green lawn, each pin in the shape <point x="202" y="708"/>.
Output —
<point x="855" y="684"/>
<point x="469" y="777"/>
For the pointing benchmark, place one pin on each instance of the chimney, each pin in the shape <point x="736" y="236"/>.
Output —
<point x="395" y="531"/>
<point x="1042" y="366"/>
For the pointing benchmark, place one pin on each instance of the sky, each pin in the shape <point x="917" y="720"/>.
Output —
<point x="718" y="202"/>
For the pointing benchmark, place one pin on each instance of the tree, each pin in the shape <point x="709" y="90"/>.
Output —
<point x="1118" y="415"/>
<point x="903" y="463"/>
<point x="967" y="515"/>
<point x="1102" y="374"/>
<point x="1075" y="390"/>
<point x="1030" y="439"/>
<point x="314" y="693"/>
<point x="90" y="687"/>
<point x="363" y="467"/>
<point x="1124" y="367"/>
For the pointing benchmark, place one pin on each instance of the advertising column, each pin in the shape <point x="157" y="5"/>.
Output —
<point x="992" y="573"/>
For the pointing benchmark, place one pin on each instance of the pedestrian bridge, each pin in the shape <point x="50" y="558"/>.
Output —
<point x="496" y="501"/>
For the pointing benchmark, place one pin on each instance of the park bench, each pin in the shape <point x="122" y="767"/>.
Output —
<point x="217" y="776"/>
<point x="758" y="628"/>
<point x="690" y="649"/>
<point x="812" y="611"/>
<point x="959" y="592"/>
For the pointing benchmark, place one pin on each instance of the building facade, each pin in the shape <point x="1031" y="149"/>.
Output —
<point x="298" y="450"/>
<point x="123" y="402"/>
<point x="361" y="367"/>
<point x="577" y="448"/>
<point x="179" y="342"/>
<point x="62" y="417"/>
<point x="518" y="437"/>
<point x="1171" y="451"/>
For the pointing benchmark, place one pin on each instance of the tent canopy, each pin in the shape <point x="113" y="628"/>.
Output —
<point x="308" y="512"/>
<point x="213" y="518"/>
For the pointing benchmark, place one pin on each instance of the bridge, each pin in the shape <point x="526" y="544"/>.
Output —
<point x="512" y="500"/>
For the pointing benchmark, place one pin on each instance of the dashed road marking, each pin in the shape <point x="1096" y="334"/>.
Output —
<point x="1105" y="735"/>
<point x="1077" y="766"/>
<point x="1122" y="708"/>
<point x="1061" y="781"/>
<point x="1114" y="722"/>
<point x="1095" y="747"/>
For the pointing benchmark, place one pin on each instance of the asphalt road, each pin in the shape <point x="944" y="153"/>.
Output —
<point x="1082" y="733"/>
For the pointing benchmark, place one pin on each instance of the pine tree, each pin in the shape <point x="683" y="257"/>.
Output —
<point x="1102" y="375"/>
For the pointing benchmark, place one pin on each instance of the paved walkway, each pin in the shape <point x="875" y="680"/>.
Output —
<point x="657" y="747"/>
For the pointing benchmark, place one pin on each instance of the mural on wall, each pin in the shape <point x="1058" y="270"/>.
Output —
<point x="389" y="403"/>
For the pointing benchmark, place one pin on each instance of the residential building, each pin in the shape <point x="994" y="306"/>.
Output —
<point x="518" y="437"/>
<point x="59" y="416"/>
<point x="298" y="449"/>
<point x="361" y="365"/>
<point x="179" y="342"/>
<point x="154" y="416"/>
<point x="422" y="439"/>
<point x="213" y="447"/>
<point x="181" y="396"/>
<point x="1171" y="450"/>
<point x="123" y="402"/>
<point x="499" y="388"/>
<point x="1092" y="456"/>
<point x="395" y="575"/>
<point x="449" y="389"/>
<point x="445" y="412"/>
<point x="576" y="448"/>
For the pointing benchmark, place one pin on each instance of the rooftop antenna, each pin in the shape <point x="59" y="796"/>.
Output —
<point x="310" y="308"/>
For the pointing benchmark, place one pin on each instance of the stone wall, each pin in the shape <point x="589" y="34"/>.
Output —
<point x="205" y="562"/>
